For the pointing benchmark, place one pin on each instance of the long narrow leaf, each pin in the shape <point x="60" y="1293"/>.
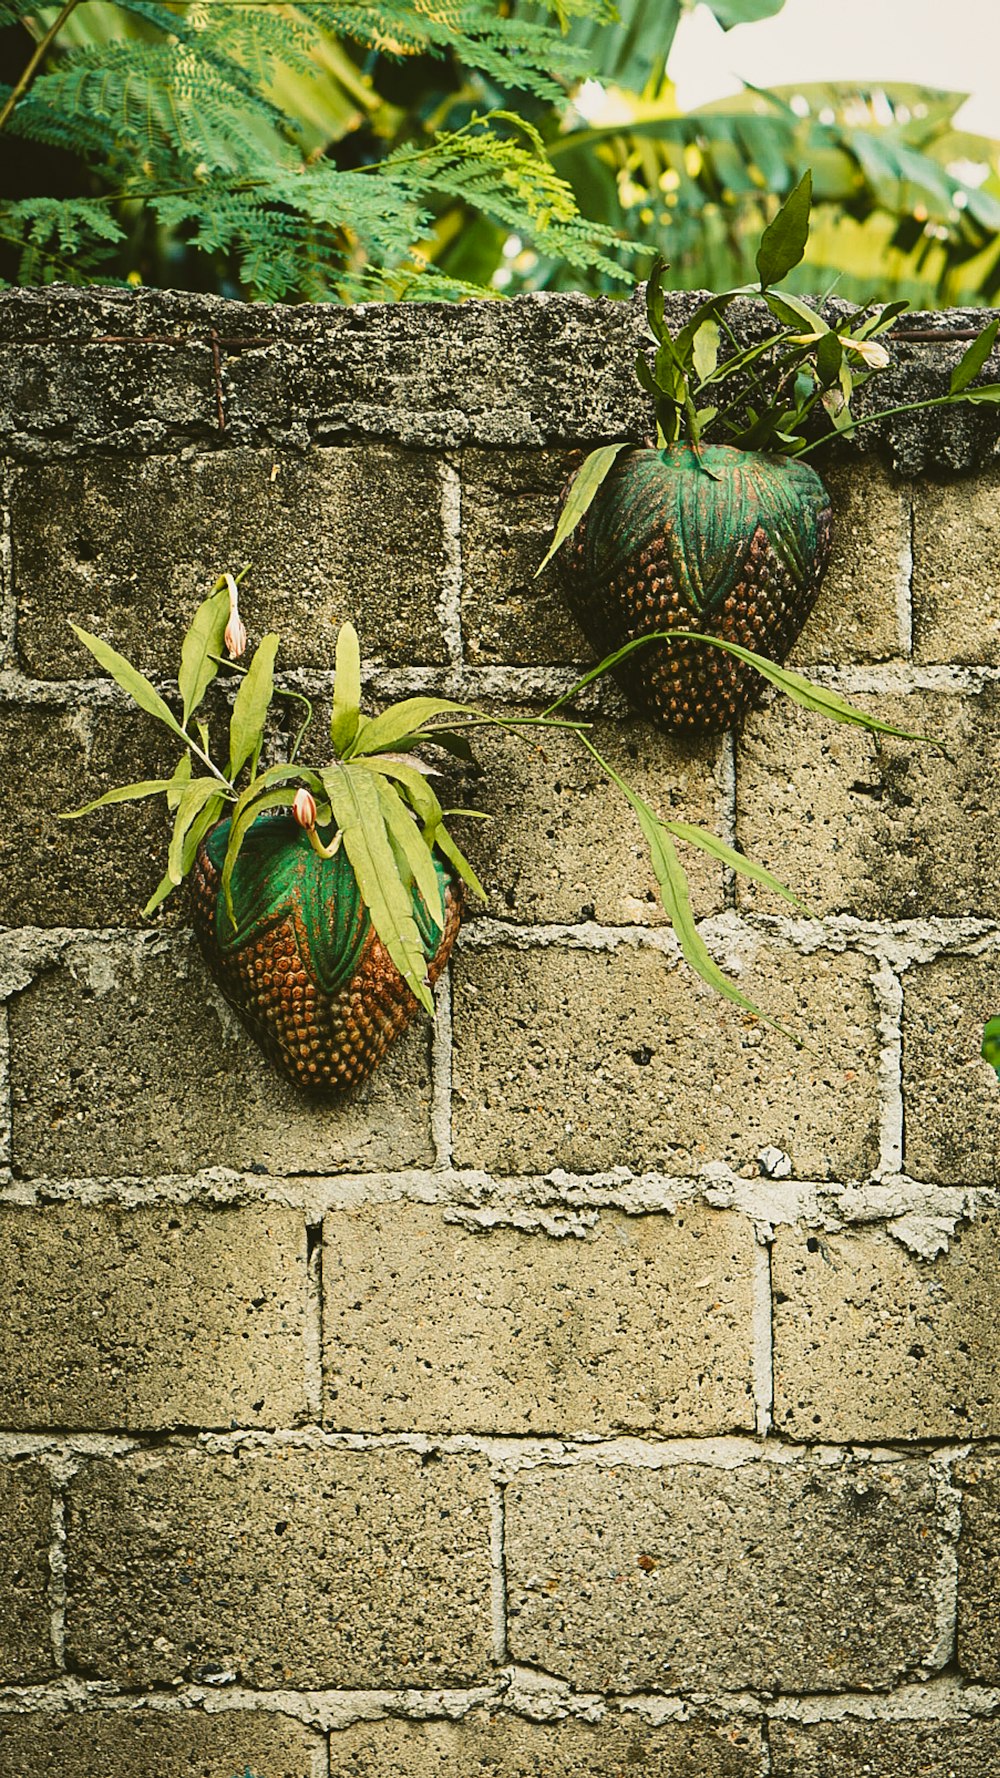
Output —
<point x="195" y="834"/>
<point x="972" y="361"/>
<point x="588" y="478"/>
<point x="422" y="798"/>
<point x="784" y="240"/>
<point x="383" y="734"/>
<point x="457" y="859"/>
<point x="193" y="800"/>
<point x="253" y="700"/>
<point x="130" y="679"/>
<point x="346" y="691"/>
<point x="411" y="845"/>
<point x="201" y="645"/>
<point x="358" y="813"/>
<point x="737" y="861"/>
<point x="126" y="793"/>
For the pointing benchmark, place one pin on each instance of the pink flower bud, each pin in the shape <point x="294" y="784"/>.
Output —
<point x="236" y="636"/>
<point x="304" y="809"/>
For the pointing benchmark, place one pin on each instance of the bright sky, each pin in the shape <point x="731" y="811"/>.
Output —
<point x="953" y="44"/>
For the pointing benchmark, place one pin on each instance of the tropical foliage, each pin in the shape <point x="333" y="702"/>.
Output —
<point x="352" y="148"/>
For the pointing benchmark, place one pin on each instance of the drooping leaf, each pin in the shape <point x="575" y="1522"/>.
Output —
<point x="457" y="859"/>
<point x="203" y="641"/>
<point x="737" y="861"/>
<point x="126" y="793"/>
<point x="206" y="819"/>
<point x="357" y="811"/>
<point x="346" y="691"/>
<point x="130" y="679"/>
<point x="584" y="486"/>
<point x="783" y="242"/>
<point x="422" y="799"/>
<point x="398" y="725"/>
<point x="670" y="876"/>
<point x="251" y="705"/>
<point x="972" y="361"/>
<point x="182" y="776"/>
<point x="411" y="845"/>
<point x="192" y="800"/>
<point x="793" y="312"/>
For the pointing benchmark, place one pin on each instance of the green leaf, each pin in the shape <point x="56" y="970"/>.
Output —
<point x="192" y="800"/>
<point x="829" y="356"/>
<point x="357" y="810"/>
<point x="399" y="724"/>
<point x="991" y="1044"/>
<point x="413" y="849"/>
<point x="972" y="361"/>
<point x="182" y="776"/>
<point x="794" y="312"/>
<point x="743" y="12"/>
<point x="126" y="793"/>
<point x="195" y="834"/>
<point x="457" y="859"/>
<point x="783" y="242"/>
<point x="251" y="705"/>
<point x="204" y="639"/>
<point x="584" y="486"/>
<point x="670" y="876"/>
<point x="346" y="691"/>
<point x="989" y="395"/>
<point x="421" y="797"/>
<point x="654" y="297"/>
<point x="705" y="349"/>
<point x="130" y="679"/>
<point x="737" y="861"/>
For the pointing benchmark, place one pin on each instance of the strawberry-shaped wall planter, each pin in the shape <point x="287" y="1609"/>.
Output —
<point x="303" y="965"/>
<point x="725" y="542"/>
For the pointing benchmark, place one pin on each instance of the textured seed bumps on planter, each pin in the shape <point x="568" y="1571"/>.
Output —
<point x="731" y="543"/>
<point x="303" y="965"/>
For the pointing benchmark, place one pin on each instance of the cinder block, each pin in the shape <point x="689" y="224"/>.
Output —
<point x="594" y="1059"/>
<point x="281" y="1567"/>
<point x="99" y="871"/>
<point x="645" y="1325"/>
<point x="127" y="549"/>
<point x="855" y="617"/>
<point x="510" y="503"/>
<point x="498" y="1745"/>
<point x="127" y="1742"/>
<point x="951" y="1097"/>
<point x="955" y="547"/>
<point x="854" y="1749"/>
<point x="873" y="1343"/>
<point x="789" y="1576"/>
<point x="563" y="844"/>
<point x="25" y="1536"/>
<point x="152" y="1317"/>
<point x="979" y="1568"/>
<point x="129" y="1064"/>
<point x="879" y="827"/>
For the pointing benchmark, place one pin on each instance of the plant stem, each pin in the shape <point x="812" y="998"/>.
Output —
<point x="33" y="66"/>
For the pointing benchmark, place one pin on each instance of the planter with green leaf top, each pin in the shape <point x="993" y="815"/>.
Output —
<point x="723" y="529"/>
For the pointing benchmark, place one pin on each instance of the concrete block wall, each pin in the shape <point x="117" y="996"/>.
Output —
<point x="607" y="1385"/>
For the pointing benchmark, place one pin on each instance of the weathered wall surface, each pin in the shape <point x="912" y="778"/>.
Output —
<point x="515" y="1416"/>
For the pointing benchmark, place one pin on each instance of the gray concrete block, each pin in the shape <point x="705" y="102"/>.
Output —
<point x="855" y="617"/>
<point x="873" y="1343"/>
<point x="853" y="1749"/>
<point x="133" y="1740"/>
<point x="795" y="1576"/>
<point x="951" y="1097"/>
<point x="978" y="1476"/>
<point x="956" y="541"/>
<point x="499" y="1745"/>
<point x="594" y="1059"/>
<point x="26" y="1656"/>
<point x="152" y="1317"/>
<point x="126" y="1063"/>
<point x="282" y="1567"/>
<point x="645" y="1325"/>
<point x="879" y="827"/>
<point x="126" y="550"/>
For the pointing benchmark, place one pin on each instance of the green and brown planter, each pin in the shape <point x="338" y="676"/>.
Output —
<point x="303" y="966"/>
<point x="731" y="543"/>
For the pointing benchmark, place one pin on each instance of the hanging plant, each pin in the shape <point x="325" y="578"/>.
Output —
<point x="326" y="898"/>
<point x="723" y="528"/>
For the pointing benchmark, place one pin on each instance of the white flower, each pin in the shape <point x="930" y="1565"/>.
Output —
<point x="870" y="353"/>
<point x="236" y="634"/>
